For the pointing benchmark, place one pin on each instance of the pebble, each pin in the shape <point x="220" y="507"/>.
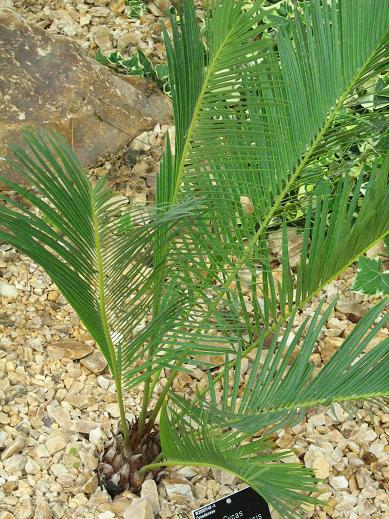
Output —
<point x="32" y="467"/>
<point x="14" y="448"/>
<point x="103" y="382"/>
<point x="321" y="467"/>
<point x="178" y="487"/>
<point x="69" y="349"/>
<point x="113" y="410"/>
<point x="95" y="435"/>
<point x="103" y="38"/>
<point x="96" y="362"/>
<point x="42" y="509"/>
<point x="56" y="441"/>
<point x="15" y="464"/>
<point x="107" y="515"/>
<point x="141" y="509"/>
<point x="7" y="290"/>
<point x="338" y="482"/>
<point x="149" y="492"/>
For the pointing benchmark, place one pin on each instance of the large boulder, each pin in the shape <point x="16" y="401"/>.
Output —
<point x="46" y="80"/>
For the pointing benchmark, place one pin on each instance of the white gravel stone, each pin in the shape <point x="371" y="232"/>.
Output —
<point x="140" y="509"/>
<point x="150" y="493"/>
<point x="338" y="482"/>
<point x="15" y="447"/>
<point x="321" y="467"/>
<point x="15" y="464"/>
<point x="103" y="382"/>
<point x="107" y="515"/>
<point x="180" y="487"/>
<point x="56" y="441"/>
<point x="32" y="467"/>
<point x="7" y="290"/>
<point x="95" y="435"/>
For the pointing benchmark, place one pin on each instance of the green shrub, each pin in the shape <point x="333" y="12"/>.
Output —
<point x="192" y="278"/>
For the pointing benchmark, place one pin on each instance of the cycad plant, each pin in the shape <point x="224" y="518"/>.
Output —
<point x="265" y="120"/>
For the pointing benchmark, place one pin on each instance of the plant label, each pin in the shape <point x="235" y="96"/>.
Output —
<point x="245" y="504"/>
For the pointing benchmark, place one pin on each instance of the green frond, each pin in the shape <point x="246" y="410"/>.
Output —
<point x="286" y="486"/>
<point x="109" y="274"/>
<point x="230" y="432"/>
<point x="272" y="117"/>
<point x="277" y="388"/>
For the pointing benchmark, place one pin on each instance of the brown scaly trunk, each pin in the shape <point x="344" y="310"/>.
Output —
<point x="119" y="471"/>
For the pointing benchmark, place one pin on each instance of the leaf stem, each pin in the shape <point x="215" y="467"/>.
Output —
<point x="163" y="395"/>
<point x="113" y="359"/>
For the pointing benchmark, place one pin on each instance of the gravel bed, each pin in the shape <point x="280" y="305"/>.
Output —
<point x="57" y="402"/>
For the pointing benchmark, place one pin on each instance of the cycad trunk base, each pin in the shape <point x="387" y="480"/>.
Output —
<point x="119" y="468"/>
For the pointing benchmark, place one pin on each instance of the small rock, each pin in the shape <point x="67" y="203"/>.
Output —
<point x="103" y="38"/>
<point x="346" y="502"/>
<point x="95" y="435"/>
<point x="106" y="515"/>
<point x="85" y="19"/>
<point x="69" y="349"/>
<point x="4" y="419"/>
<point x="32" y="467"/>
<point x="24" y="509"/>
<point x="226" y="478"/>
<point x="141" y="509"/>
<point x="353" y="311"/>
<point x="15" y="464"/>
<point x="317" y="420"/>
<point x="178" y="486"/>
<point x="338" y="482"/>
<point x="78" y="401"/>
<point x="337" y="413"/>
<point x="56" y="441"/>
<point x="53" y="295"/>
<point x="42" y="509"/>
<point x="321" y="467"/>
<point x="329" y="346"/>
<point x="14" y="448"/>
<point x="9" y="4"/>
<point x="78" y="500"/>
<point x="59" y="470"/>
<point x="91" y="485"/>
<point x="7" y="290"/>
<point x="187" y="472"/>
<point x="96" y="362"/>
<point x="113" y="410"/>
<point x="150" y="493"/>
<point x="80" y="426"/>
<point x="6" y="515"/>
<point x="103" y="382"/>
<point x="42" y="452"/>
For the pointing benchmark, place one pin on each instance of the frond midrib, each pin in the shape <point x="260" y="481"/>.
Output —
<point x="196" y="110"/>
<point x="330" y="119"/>
<point x="305" y="404"/>
<point x="299" y="169"/>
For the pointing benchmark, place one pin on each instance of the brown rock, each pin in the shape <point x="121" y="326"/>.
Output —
<point x="79" y="401"/>
<point x="329" y="346"/>
<point x="95" y="362"/>
<point x="353" y="311"/>
<point x="47" y="81"/>
<point x="91" y="485"/>
<point x="69" y="349"/>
